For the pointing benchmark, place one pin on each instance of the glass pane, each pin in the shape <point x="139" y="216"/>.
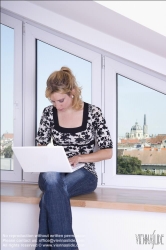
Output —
<point x="141" y="129"/>
<point x="50" y="59"/>
<point x="7" y="80"/>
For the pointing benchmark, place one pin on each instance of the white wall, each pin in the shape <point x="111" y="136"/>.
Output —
<point x="95" y="229"/>
<point x="87" y="34"/>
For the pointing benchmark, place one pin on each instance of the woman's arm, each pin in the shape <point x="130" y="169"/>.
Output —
<point x="102" y="154"/>
<point x="103" y="139"/>
<point x="43" y="137"/>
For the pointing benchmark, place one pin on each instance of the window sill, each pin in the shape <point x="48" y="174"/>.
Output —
<point x="106" y="198"/>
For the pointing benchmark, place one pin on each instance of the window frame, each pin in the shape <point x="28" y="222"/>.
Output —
<point x="111" y="179"/>
<point x="113" y="64"/>
<point x="29" y="78"/>
<point x="16" y="174"/>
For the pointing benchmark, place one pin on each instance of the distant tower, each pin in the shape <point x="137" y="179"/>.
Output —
<point x="145" y="128"/>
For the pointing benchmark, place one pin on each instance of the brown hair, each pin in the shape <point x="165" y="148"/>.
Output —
<point x="63" y="81"/>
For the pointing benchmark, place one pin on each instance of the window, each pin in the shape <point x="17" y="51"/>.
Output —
<point x="154" y="170"/>
<point x="49" y="59"/>
<point x="7" y="80"/>
<point x="11" y="96"/>
<point x="141" y="105"/>
<point x="101" y="85"/>
<point x="45" y="53"/>
<point x="133" y="94"/>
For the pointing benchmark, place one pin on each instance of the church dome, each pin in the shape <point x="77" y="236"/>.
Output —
<point x="136" y="127"/>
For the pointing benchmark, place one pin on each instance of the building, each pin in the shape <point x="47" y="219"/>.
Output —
<point x="128" y="143"/>
<point x="158" y="141"/>
<point x="6" y="141"/>
<point x="138" y="132"/>
<point x="7" y="137"/>
<point x="145" y="128"/>
<point x="152" y="159"/>
<point x="164" y="143"/>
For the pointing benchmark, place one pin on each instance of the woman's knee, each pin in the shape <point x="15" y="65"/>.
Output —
<point x="49" y="180"/>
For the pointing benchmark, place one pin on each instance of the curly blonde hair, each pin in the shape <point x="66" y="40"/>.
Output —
<point x="63" y="81"/>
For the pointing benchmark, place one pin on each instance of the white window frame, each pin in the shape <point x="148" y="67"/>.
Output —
<point x="29" y="77"/>
<point x="16" y="174"/>
<point x="111" y="179"/>
<point x="104" y="96"/>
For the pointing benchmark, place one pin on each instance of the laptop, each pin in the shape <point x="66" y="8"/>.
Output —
<point x="44" y="159"/>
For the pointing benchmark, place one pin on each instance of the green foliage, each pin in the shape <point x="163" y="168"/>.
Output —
<point x="132" y="166"/>
<point x="152" y="173"/>
<point x="8" y="152"/>
<point x="129" y="165"/>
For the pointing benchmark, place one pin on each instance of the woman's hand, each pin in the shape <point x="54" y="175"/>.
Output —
<point x="74" y="160"/>
<point x="100" y="155"/>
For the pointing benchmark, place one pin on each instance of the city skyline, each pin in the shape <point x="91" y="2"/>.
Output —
<point x="141" y="128"/>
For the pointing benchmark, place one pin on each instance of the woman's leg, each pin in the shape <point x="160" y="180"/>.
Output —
<point x="55" y="212"/>
<point x="80" y="182"/>
<point x="55" y="219"/>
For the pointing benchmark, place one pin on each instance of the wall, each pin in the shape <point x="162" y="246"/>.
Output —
<point x="87" y="34"/>
<point x="95" y="229"/>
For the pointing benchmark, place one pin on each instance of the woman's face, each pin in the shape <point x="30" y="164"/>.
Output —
<point x="62" y="102"/>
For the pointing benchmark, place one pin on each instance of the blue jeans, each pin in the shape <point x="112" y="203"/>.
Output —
<point x="55" y="219"/>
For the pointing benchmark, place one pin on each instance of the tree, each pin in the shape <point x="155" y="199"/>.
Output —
<point x="8" y="152"/>
<point x="129" y="165"/>
<point x="132" y="165"/>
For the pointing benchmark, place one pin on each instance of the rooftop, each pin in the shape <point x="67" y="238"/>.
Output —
<point x="157" y="139"/>
<point x="148" y="156"/>
<point x="7" y="136"/>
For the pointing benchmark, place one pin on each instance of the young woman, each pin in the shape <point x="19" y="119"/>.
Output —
<point x="75" y="125"/>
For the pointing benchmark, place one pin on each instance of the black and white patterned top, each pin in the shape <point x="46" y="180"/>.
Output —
<point x="79" y="140"/>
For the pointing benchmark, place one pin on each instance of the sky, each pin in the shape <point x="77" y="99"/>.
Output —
<point x="50" y="59"/>
<point x="135" y="100"/>
<point x="7" y="76"/>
